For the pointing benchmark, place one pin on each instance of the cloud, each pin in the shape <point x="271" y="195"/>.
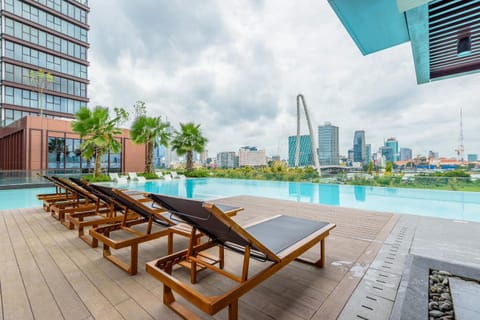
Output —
<point x="236" y="68"/>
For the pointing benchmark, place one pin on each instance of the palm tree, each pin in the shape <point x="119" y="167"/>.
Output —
<point x="188" y="140"/>
<point x="97" y="131"/>
<point x="151" y="131"/>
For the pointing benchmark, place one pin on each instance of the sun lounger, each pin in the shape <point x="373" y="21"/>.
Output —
<point x="106" y="212"/>
<point x="155" y="223"/>
<point x="175" y="175"/>
<point x="116" y="178"/>
<point x="61" y="195"/>
<point x="133" y="177"/>
<point x="57" y="207"/>
<point x="83" y="203"/>
<point x="276" y="241"/>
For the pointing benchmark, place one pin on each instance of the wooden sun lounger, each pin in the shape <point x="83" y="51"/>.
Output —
<point x="149" y="216"/>
<point x="82" y="201"/>
<point x="104" y="212"/>
<point x="291" y="237"/>
<point x="59" y="199"/>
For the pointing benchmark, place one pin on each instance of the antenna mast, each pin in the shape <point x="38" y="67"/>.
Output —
<point x="461" y="148"/>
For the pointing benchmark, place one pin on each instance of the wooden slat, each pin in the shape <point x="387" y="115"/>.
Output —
<point x="84" y="285"/>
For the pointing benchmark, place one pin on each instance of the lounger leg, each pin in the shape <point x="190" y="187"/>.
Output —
<point x="321" y="262"/>
<point x="221" y="256"/>
<point x="193" y="271"/>
<point x="170" y="243"/>
<point x="134" y="259"/>
<point x="233" y="310"/>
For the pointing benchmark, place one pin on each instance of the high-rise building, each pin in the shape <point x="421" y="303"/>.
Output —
<point x="433" y="155"/>
<point x="328" y="152"/>
<point x="387" y="152"/>
<point x="406" y="154"/>
<point x="472" y="157"/>
<point x="305" y="157"/>
<point x="226" y="159"/>
<point x="393" y="143"/>
<point x="44" y="58"/>
<point x="359" y="146"/>
<point x="251" y="156"/>
<point x="368" y="153"/>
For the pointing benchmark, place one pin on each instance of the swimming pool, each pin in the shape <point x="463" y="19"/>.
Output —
<point x="442" y="204"/>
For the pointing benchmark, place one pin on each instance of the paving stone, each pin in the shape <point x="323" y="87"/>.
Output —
<point x="364" y="305"/>
<point x="465" y="295"/>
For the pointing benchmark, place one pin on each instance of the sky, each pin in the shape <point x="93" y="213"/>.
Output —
<point x="235" y="67"/>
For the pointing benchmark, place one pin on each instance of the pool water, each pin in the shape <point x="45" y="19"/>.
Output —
<point x="22" y="198"/>
<point x="443" y="204"/>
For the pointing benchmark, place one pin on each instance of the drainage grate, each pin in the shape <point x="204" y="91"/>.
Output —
<point x="375" y="294"/>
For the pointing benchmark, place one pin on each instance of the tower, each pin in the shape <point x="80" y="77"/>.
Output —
<point x="312" y="137"/>
<point x="44" y="58"/>
<point x="328" y="150"/>
<point x="461" y="148"/>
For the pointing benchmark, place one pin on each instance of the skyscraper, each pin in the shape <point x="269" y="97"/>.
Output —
<point x="405" y="154"/>
<point x="226" y="159"/>
<point x="393" y="143"/>
<point x="368" y="153"/>
<point x="251" y="156"/>
<point x="306" y="156"/>
<point x="359" y="146"/>
<point x="328" y="152"/>
<point x="51" y="36"/>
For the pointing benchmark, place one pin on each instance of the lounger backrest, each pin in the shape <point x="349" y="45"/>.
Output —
<point x="131" y="204"/>
<point x="78" y="189"/>
<point x="214" y="224"/>
<point x="65" y="186"/>
<point x="94" y="191"/>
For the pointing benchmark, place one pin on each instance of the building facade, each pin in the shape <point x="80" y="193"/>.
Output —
<point x="42" y="144"/>
<point x="406" y="154"/>
<point x="368" y="153"/>
<point x="252" y="157"/>
<point x="472" y="157"/>
<point x="393" y="143"/>
<point x="226" y="159"/>
<point x="328" y="146"/>
<point x="40" y="38"/>
<point x="305" y="156"/>
<point x="387" y="153"/>
<point x="359" y="151"/>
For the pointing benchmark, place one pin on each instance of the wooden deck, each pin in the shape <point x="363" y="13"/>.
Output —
<point x="46" y="272"/>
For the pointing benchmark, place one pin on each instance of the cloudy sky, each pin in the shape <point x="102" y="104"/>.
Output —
<point x="235" y="67"/>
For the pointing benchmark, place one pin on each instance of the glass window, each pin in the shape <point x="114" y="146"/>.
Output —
<point x="9" y="95"/>
<point x="56" y="153"/>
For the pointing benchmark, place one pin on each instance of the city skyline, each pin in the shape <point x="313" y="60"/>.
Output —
<point x="240" y="70"/>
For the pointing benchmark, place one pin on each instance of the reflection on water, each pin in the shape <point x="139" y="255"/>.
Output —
<point x="329" y="194"/>
<point x="360" y="193"/>
<point x="302" y="192"/>
<point x="189" y="188"/>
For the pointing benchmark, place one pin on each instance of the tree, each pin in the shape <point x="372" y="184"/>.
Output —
<point x="388" y="168"/>
<point x="39" y="79"/>
<point x="97" y="131"/>
<point x="370" y="167"/>
<point x="149" y="130"/>
<point x="186" y="141"/>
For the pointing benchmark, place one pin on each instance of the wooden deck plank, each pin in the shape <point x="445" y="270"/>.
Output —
<point x="67" y="299"/>
<point x="39" y="295"/>
<point x="15" y="301"/>
<point x="101" y="290"/>
<point x="97" y="304"/>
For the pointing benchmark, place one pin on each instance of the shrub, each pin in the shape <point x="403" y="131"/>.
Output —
<point x="91" y="178"/>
